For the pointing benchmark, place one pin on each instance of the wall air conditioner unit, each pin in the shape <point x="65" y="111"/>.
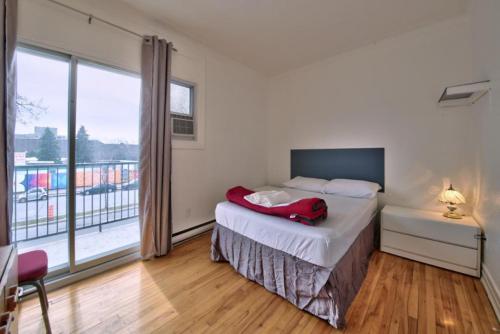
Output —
<point x="182" y="126"/>
<point x="462" y="95"/>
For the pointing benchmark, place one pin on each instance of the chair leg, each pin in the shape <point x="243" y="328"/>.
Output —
<point x="42" y="284"/>
<point x="40" y="287"/>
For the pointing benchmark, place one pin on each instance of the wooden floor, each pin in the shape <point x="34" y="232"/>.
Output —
<point x="186" y="292"/>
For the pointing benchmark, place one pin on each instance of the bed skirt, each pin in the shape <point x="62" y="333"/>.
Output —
<point x="323" y="292"/>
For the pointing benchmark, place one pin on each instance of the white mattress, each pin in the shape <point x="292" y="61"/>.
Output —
<point x="323" y="244"/>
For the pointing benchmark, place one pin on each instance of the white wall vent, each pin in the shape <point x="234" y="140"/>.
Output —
<point x="462" y="95"/>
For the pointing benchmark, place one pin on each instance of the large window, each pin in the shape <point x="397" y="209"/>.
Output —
<point x="76" y="171"/>
<point x="182" y="109"/>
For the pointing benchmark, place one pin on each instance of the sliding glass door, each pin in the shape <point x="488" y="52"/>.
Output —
<point x="40" y="217"/>
<point x="107" y="155"/>
<point x="76" y="170"/>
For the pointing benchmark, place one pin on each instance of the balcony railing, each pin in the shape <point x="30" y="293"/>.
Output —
<point x="105" y="193"/>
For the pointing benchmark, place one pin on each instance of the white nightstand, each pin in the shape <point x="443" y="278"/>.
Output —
<point x="428" y="237"/>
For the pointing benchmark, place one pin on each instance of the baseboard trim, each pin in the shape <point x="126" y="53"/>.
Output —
<point x="492" y="290"/>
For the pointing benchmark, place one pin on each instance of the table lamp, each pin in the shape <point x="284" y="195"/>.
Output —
<point x="452" y="198"/>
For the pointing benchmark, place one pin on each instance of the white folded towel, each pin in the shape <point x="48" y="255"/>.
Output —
<point x="268" y="198"/>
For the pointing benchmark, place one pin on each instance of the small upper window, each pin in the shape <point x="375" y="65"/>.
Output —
<point x="181" y="99"/>
<point x="182" y="109"/>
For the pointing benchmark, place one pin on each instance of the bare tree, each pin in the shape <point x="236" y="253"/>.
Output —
<point x="28" y="110"/>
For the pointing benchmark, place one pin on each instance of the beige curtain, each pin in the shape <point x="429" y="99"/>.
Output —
<point x="8" y="19"/>
<point x="155" y="146"/>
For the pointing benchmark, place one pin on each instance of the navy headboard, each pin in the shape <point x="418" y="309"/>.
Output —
<point x="343" y="163"/>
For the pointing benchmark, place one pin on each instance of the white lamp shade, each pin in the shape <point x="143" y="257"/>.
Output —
<point x="452" y="196"/>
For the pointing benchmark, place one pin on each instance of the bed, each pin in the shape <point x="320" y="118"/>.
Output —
<point x="317" y="268"/>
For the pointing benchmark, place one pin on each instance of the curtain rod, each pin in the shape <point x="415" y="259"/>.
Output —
<point x="92" y="17"/>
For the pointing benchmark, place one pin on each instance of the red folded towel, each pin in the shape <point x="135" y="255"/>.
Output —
<point x="306" y="211"/>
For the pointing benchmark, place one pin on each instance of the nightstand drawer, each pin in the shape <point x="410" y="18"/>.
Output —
<point x="429" y="237"/>
<point x="453" y="254"/>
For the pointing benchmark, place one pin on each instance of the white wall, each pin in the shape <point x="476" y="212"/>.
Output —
<point x="383" y="95"/>
<point x="231" y="97"/>
<point x="485" y="22"/>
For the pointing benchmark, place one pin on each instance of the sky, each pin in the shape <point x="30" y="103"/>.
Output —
<point x="107" y="100"/>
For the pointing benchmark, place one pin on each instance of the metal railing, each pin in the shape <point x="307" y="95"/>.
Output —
<point x="105" y="193"/>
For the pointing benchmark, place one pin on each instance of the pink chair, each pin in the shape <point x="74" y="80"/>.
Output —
<point x="32" y="268"/>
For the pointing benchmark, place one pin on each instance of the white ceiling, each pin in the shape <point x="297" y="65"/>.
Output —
<point x="273" y="36"/>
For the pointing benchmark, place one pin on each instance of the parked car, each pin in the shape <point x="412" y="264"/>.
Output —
<point x="33" y="194"/>
<point x="132" y="185"/>
<point x="99" y="189"/>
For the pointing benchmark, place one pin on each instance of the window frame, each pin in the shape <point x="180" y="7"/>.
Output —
<point x="67" y="56"/>
<point x="106" y="67"/>
<point x="192" y="109"/>
<point x="43" y="52"/>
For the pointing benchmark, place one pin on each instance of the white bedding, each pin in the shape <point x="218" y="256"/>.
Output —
<point x="323" y="244"/>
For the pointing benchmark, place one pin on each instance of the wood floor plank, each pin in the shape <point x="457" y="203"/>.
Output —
<point x="399" y="318"/>
<point x="469" y="322"/>
<point x="441" y="320"/>
<point x="488" y="312"/>
<point x="413" y="298"/>
<point x="427" y="308"/>
<point x="358" y="311"/>
<point x="187" y="293"/>
<point x="382" y="310"/>
<point x="452" y="315"/>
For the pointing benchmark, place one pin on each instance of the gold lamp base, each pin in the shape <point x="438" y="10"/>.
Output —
<point x="451" y="198"/>
<point x="452" y="214"/>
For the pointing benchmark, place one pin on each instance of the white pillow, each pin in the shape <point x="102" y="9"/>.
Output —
<point x="352" y="188"/>
<point x="306" y="183"/>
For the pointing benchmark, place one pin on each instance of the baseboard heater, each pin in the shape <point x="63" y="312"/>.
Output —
<point x="193" y="228"/>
